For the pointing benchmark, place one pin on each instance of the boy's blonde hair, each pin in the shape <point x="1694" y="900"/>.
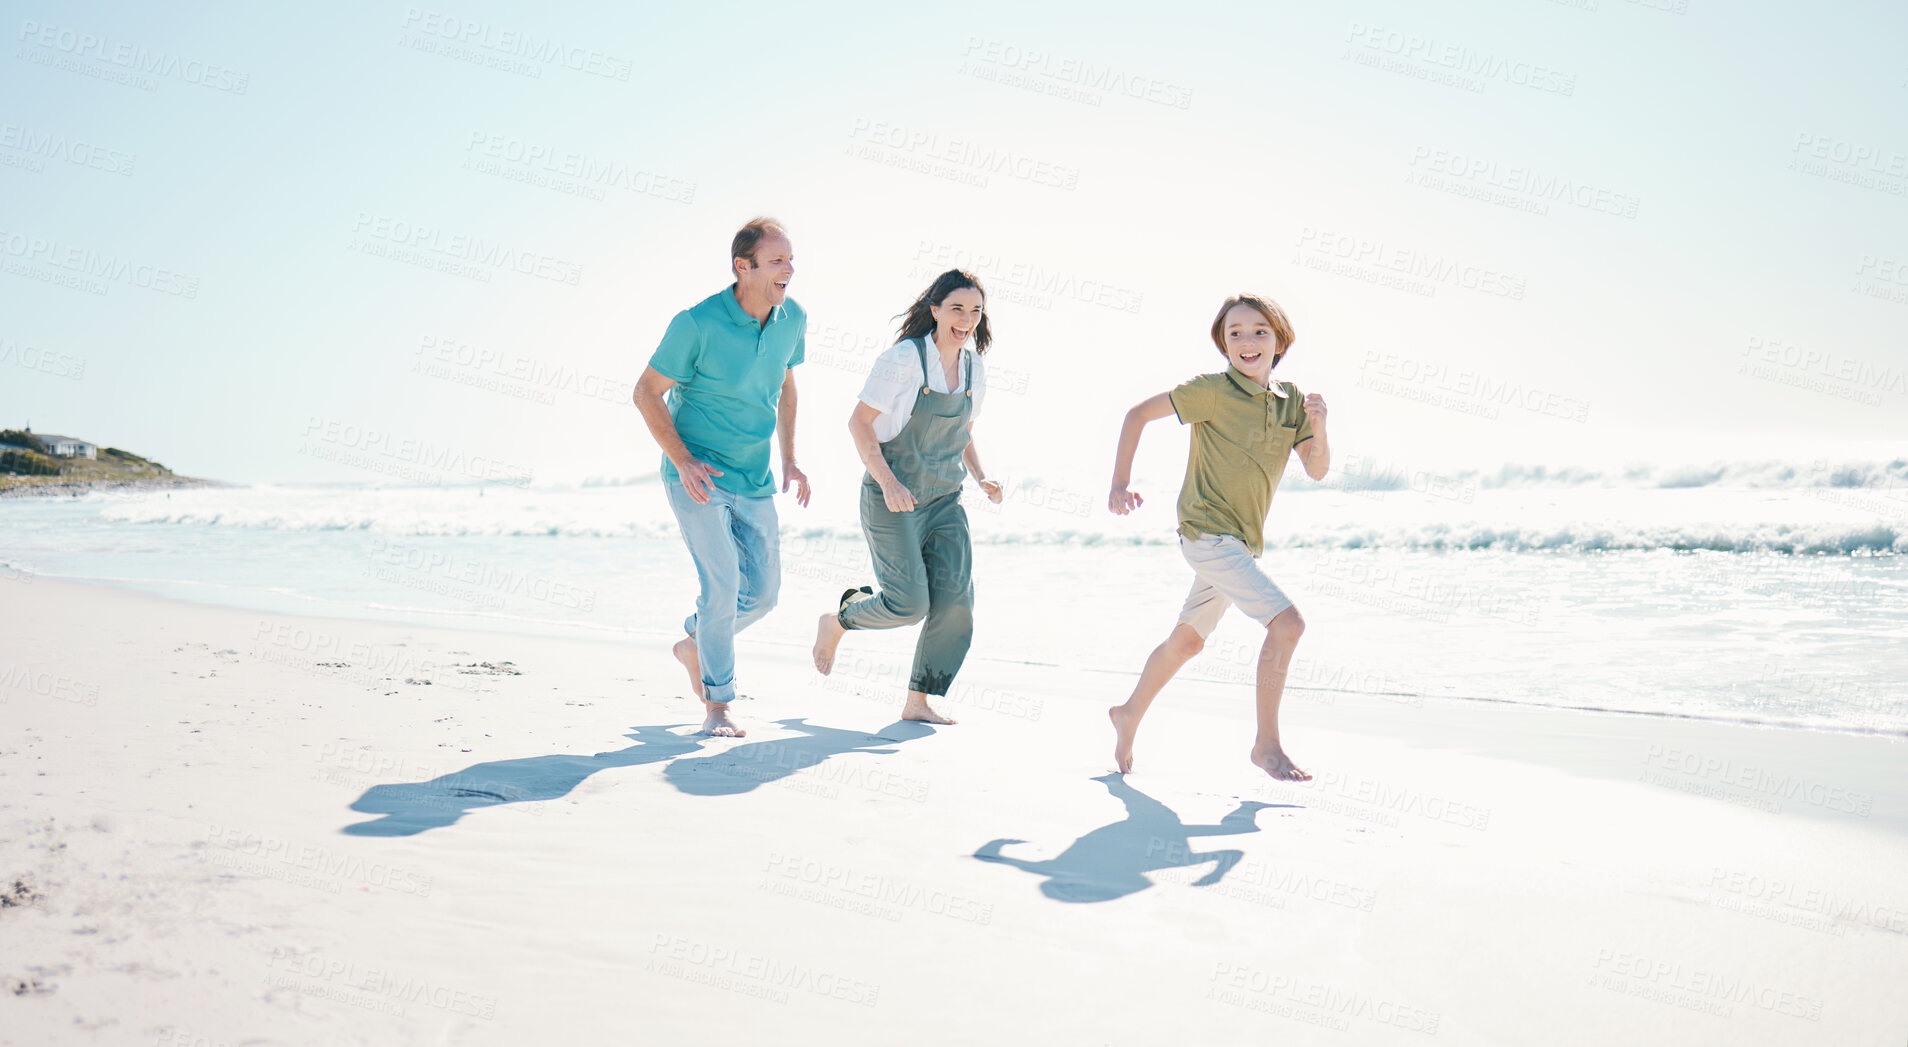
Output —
<point x="1281" y="325"/>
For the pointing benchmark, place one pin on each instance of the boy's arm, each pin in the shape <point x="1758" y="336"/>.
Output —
<point x="649" y="400"/>
<point x="785" y="429"/>
<point x="1315" y="451"/>
<point x="1152" y="409"/>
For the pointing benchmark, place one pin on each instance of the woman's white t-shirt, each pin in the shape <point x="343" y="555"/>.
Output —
<point x="896" y="380"/>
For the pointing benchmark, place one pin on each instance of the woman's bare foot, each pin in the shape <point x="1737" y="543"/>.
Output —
<point x="685" y="652"/>
<point x="1125" y="726"/>
<point x="717" y="723"/>
<point x="917" y="709"/>
<point x="1274" y="762"/>
<point x="828" y="634"/>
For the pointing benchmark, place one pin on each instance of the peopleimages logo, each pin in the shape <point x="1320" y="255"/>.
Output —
<point x="1432" y="269"/>
<point x="324" y="868"/>
<point x="515" y="43"/>
<point x="47" y="685"/>
<point x="514" y="374"/>
<point x="133" y="58"/>
<point x="88" y="266"/>
<point x="378" y="234"/>
<point x="1822" y="370"/>
<point x="45" y="361"/>
<point x="1463" y="389"/>
<point x="566" y="170"/>
<point x="1433" y="53"/>
<point x="404" y="457"/>
<point x="1865" y="156"/>
<point x="1518" y="183"/>
<point x="376" y="988"/>
<point x="1025" y="281"/>
<point x="971" y="161"/>
<point x="38" y="145"/>
<point x="480" y="576"/>
<point x="1078" y="72"/>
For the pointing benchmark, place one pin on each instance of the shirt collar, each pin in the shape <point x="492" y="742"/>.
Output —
<point x="933" y="347"/>
<point x="738" y="316"/>
<point x="1252" y="388"/>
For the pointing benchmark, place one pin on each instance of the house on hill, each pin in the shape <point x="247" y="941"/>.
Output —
<point x="67" y="446"/>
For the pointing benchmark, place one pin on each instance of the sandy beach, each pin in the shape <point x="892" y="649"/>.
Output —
<point x="221" y="827"/>
<point x="1589" y="494"/>
<point x="55" y="489"/>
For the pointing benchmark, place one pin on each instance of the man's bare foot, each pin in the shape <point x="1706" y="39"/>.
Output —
<point x="1275" y="763"/>
<point x="917" y="709"/>
<point x="685" y="652"/>
<point x="717" y="723"/>
<point x="1124" y="728"/>
<point x="828" y="634"/>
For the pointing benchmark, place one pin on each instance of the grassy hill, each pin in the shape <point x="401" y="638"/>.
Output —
<point x="34" y="471"/>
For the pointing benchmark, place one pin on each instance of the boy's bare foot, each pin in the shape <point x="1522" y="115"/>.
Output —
<point x="685" y="652"/>
<point x="828" y="634"/>
<point x="917" y="709"/>
<point x="1124" y="728"/>
<point x="717" y="723"/>
<point x="1275" y="763"/>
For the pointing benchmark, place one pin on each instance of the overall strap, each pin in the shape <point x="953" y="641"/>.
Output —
<point x="967" y="359"/>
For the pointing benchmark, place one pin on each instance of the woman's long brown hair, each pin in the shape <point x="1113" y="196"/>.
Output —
<point x="918" y="321"/>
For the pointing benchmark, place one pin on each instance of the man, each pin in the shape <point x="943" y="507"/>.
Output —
<point x="727" y="367"/>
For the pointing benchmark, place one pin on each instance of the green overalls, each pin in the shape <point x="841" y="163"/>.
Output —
<point x="923" y="559"/>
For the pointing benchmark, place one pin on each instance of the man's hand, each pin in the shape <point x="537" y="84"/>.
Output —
<point x="1315" y="410"/>
<point x="1123" y="501"/>
<point x="898" y="497"/>
<point x="696" y="479"/>
<point x="793" y="475"/>
<point x="993" y="490"/>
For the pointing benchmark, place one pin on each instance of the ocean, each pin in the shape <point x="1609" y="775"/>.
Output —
<point x="1773" y="593"/>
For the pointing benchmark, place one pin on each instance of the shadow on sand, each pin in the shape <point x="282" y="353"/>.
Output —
<point x="1112" y="861"/>
<point x="750" y="765"/>
<point x="414" y="807"/>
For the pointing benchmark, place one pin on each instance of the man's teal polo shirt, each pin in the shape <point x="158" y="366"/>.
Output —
<point x="728" y="370"/>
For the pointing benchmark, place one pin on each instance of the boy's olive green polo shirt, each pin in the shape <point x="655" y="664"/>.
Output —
<point x="1242" y="435"/>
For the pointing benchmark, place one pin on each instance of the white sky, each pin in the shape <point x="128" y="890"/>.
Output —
<point x="1763" y="148"/>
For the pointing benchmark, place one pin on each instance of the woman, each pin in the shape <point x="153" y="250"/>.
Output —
<point x="913" y="430"/>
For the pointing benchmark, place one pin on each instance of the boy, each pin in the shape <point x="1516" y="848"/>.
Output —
<point x="1244" y="426"/>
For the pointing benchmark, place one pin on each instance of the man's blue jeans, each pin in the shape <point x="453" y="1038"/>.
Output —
<point x="736" y="545"/>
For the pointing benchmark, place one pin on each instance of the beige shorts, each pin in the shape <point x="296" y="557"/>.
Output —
<point x="1224" y="574"/>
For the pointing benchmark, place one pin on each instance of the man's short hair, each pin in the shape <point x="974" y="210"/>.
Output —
<point x="749" y="236"/>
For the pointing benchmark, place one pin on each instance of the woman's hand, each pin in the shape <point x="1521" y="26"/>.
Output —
<point x="1123" y="501"/>
<point x="897" y="495"/>
<point x="992" y="489"/>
